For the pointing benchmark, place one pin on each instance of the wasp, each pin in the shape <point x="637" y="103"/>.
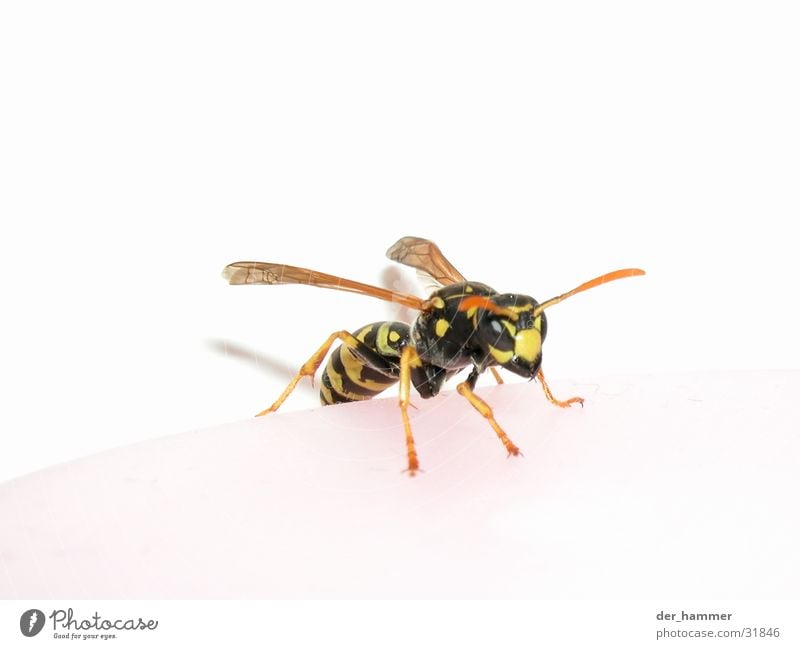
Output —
<point x="463" y="324"/>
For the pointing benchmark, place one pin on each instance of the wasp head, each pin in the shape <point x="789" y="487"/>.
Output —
<point x="511" y="334"/>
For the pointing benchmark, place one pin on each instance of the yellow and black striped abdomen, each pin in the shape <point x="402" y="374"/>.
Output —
<point x="361" y="373"/>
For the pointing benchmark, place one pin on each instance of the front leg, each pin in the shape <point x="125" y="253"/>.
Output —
<point x="556" y="402"/>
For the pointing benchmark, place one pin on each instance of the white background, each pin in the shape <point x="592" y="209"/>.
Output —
<point x="145" y="145"/>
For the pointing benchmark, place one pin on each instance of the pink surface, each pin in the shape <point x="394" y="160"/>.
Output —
<point x="662" y="486"/>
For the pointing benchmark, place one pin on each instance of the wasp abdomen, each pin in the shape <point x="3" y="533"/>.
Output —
<point x="361" y="373"/>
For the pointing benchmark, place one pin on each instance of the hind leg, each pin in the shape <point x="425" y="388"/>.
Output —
<point x="311" y="366"/>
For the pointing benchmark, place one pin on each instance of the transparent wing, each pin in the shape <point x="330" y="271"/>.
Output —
<point x="258" y="272"/>
<point x="425" y="256"/>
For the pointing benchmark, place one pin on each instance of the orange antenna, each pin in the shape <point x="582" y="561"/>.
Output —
<point x="597" y="281"/>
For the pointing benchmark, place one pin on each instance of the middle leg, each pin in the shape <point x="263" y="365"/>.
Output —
<point x="408" y="359"/>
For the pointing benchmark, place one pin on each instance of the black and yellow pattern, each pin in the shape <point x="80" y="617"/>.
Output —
<point x="357" y="374"/>
<point x="462" y="325"/>
<point x="471" y="324"/>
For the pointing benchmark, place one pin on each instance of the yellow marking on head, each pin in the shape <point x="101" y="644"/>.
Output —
<point x="528" y="344"/>
<point x="501" y="356"/>
<point x="522" y="308"/>
<point x="509" y="327"/>
<point x="394" y="336"/>
<point x="537" y="324"/>
<point x="441" y="327"/>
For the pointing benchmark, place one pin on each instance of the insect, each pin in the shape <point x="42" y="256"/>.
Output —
<point x="463" y="324"/>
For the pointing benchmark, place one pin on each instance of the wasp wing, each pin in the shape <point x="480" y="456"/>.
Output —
<point x="425" y="256"/>
<point x="259" y="272"/>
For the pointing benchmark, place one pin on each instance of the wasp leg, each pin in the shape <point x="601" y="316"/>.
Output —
<point x="496" y="375"/>
<point x="552" y="399"/>
<point x="311" y="366"/>
<point x="408" y="359"/>
<point x="465" y="390"/>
